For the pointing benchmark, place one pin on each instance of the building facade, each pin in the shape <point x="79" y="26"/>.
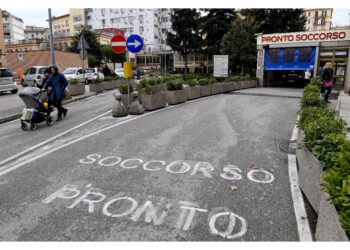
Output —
<point x="2" y="43"/>
<point x="150" y="24"/>
<point x="13" y="27"/>
<point x="61" y="26"/>
<point x="294" y="53"/>
<point x="318" y="19"/>
<point x="36" y="33"/>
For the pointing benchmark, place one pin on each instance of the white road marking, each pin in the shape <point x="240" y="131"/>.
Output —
<point x="118" y="44"/>
<point x="51" y="139"/>
<point x="295" y="132"/>
<point x="298" y="202"/>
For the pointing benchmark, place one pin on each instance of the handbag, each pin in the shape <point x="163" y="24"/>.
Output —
<point x="327" y="84"/>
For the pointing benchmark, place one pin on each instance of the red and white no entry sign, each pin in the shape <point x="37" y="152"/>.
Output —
<point x="118" y="44"/>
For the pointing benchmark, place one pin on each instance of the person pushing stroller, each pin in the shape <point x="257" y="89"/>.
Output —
<point x="56" y="84"/>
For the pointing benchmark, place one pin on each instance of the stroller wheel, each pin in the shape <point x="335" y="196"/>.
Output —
<point x="23" y="126"/>
<point x="33" y="126"/>
<point x="49" y="121"/>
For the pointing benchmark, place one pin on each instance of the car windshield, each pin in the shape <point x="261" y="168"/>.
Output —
<point x="89" y="70"/>
<point x="42" y="70"/>
<point x="5" y="73"/>
<point x="69" y="71"/>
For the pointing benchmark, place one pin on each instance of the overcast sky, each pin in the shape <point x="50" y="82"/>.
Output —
<point x="38" y="17"/>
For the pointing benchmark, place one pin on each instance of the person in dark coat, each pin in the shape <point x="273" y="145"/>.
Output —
<point x="56" y="84"/>
<point x="47" y="73"/>
<point x="105" y="70"/>
<point x="326" y="76"/>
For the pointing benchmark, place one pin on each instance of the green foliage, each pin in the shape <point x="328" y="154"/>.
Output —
<point x="315" y="82"/>
<point x="175" y="85"/>
<point x="152" y="81"/>
<point x="149" y="90"/>
<point x="108" y="78"/>
<point x="313" y="113"/>
<point x="190" y="77"/>
<point x="73" y="81"/>
<point x="232" y="79"/>
<point x="220" y="79"/>
<point x="123" y="88"/>
<point x="311" y="99"/>
<point x="96" y="81"/>
<point x="143" y="83"/>
<point x="203" y="81"/>
<point x="192" y="82"/>
<point x="110" y="56"/>
<point x="213" y="81"/>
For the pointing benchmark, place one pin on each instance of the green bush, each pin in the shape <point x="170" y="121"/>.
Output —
<point x="315" y="82"/>
<point x="143" y="83"/>
<point x="203" y="81"/>
<point x="123" y="88"/>
<point x="152" y="81"/>
<point x="149" y="90"/>
<point x="96" y="81"/>
<point x="192" y="82"/>
<point x="212" y="81"/>
<point x="311" y="113"/>
<point x="175" y="85"/>
<point x="311" y="99"/>
<point x="73" y="81"/>
<point x="108" y="79"/>
<point x="232" y="79"/>
<point x="189" y="77"/>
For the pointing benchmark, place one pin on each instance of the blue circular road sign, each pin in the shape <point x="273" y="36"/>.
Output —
<point x="134" y="43"/>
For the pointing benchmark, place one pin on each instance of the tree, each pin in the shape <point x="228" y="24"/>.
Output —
<point x="186" y="38"/>
<point x="240" y="44"/>
<point x="277" y="20"/>
<point x="109" y="55"/>
<point x="215" y="24"/>
<point x="91" y="39"/>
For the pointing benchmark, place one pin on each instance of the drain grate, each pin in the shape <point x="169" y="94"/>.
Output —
<point x="285" y="146"/>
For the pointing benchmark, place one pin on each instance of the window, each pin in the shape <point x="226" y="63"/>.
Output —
<point x="103" y="22"/>
<point x="103" y="12"/>
<point x="141" y="29"/>
<point x="316" y="13"/>
<point x="141" y="18"/>
<point x="274" y="55"/>
<point x="130" y="18"/>
<point x="77" y="18"/>
<point x="324" y="13"/>
<point x="288" y="55"/>
<point x="125" y="20"/>
<point x="305" y="54"/>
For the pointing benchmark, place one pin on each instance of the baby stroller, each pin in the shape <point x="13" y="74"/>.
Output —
<point x="38" y="108"/>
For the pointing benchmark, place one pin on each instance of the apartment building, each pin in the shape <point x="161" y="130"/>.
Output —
<point x="13" y="28"/>
<point x="318" y="19"/>
<point x="2" y="43"/>
<point x="36" y="33"/>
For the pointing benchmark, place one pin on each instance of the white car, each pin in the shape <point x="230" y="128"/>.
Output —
<point x="91" y="74"/>
<point x="7" y="82"/>
<point x="73" y="73"/>
<point x="33" y="76"/>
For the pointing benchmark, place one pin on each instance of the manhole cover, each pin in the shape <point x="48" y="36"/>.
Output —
<point x="285" y="146"/>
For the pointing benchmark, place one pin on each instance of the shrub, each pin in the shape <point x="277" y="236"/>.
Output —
<point x="143" y="83"/>
<point x="152" y="81"/>
<point x="123" y="88"/>
<point x="174" y="85"/>
<point x="192" y="82"/>
<point x="189" y="77"/>
<point x="108" y="79"/>
<point x="311" y="99"/>
<point x="220" y="79"/>
<point x="149" y="90"/>
<point x="73" y="81"/>
<point x="212" y="81"/>
<point x="203" y="81"/>
<point x="308" y="114"/>
<point x="96" y="81"/>
<point x="315" y="82"/>
<point x="232" y="79"/>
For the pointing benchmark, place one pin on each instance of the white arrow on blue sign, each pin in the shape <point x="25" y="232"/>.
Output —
<point x="134" y="43"/>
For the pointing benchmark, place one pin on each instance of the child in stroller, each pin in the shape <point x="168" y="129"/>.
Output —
<point x="38" y="108"/>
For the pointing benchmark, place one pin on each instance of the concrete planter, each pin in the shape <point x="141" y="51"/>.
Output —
<point x="119" y="82"/>
<point x="76" y="89"/>
<point x="108" y="85"/>
<point x="215" y="89"/>
<point x="193" y="92"/>
<point x="224" y="87"/>
<point x="310" y="173"/>
<point x="205" y="90"/>
<point x="237" y="85"/>
<point x="177" y="96"/>
<point x="231" y="86"/>
<point x="155" y="101"/>
<point x="245" y="84"/>
<point x="96" y="87"/>
<point x="125" y="100"/>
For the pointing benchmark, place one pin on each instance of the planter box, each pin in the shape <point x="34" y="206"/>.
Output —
<point x="177" y="96"/>
<point x="215" y="89"/>
<point x="205" y="90"/>
<point x="193" y="92"/>
<point x="328" y="227"/>
<point x="231" y="86"/>
<point x="224" y="87"/>
<point x="156" y="101"/>
<point x="119" y="82"/>
<point x="96" y="87"/>
<point x="237" y="85"/>
<point x="108" y="85"/>
<point x="76" y="89"/>
<point x="244" y="84"/>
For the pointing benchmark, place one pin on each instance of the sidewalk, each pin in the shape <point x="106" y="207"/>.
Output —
<point x="343" y="109"/>
<point x="16" y="112"/>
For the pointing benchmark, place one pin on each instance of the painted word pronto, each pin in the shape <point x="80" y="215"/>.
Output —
<point x="228" y="172"/>
<point x="181" y="215"/>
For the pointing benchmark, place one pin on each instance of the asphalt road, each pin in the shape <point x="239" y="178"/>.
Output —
<point x="206" y="170"/>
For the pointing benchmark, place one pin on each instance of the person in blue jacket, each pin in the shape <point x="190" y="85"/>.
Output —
<point x="56" y="84"/>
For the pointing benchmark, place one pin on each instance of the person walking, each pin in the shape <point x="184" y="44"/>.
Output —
<point x="326" y="79"/>
<point x="57" y="83"/>
<point x="105" y="69"/>
<point x="46" y="77"/>
<point x="307" y="76"/>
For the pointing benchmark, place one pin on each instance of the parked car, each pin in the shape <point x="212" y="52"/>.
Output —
<point x="33" y="76"/>
<point x="74" y="73"/>
<point x="7" y="82"/>
<point x="91" y="74"/>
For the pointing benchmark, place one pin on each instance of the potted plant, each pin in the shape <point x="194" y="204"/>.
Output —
<point x="205" y="87"/>
<point x="215" y="87"/>
<point x="96" y="85"/>
<point x="108" y="83"/>
<point x="175" y="92"/>
<point x="151" y="99"/>
<point x="123" y="89"/>
<point x="75" y="88"/>
<point x="193" y="91"/>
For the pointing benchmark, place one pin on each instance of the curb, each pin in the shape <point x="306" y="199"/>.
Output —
<point x="328" y="227"/>
<point x="18" y="115"/>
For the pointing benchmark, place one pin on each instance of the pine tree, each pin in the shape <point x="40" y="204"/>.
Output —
<point x="215" y="24"/>
<point x="185" y="37"/>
